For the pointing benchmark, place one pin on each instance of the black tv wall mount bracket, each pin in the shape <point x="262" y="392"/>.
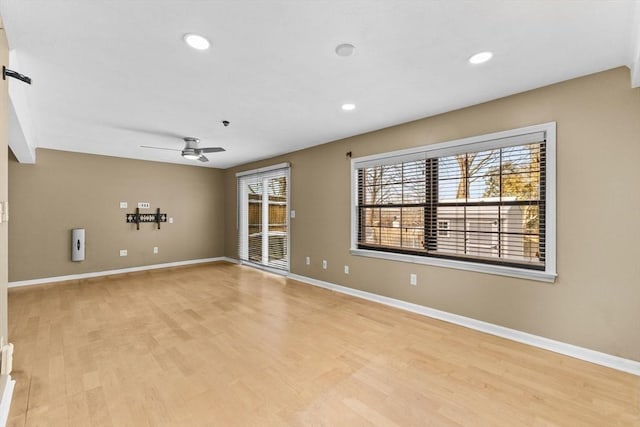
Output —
<point x="16" y="75"/>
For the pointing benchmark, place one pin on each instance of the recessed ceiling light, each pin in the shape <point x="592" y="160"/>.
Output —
<point x="345" y="49"/>
<point x="481" y="57"/>
<point x="196" y="41"/>
<point x="348" y="107"/>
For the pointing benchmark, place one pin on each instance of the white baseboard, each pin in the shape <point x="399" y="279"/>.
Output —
<point x="112" y="272"/>
<point x="6" y="394"/>
<point x="604" y="359"/>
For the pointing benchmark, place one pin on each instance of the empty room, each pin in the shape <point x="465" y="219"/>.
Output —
<point x="319" y="213"/>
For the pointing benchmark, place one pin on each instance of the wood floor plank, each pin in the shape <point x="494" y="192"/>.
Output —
<point x="226" y="345"/>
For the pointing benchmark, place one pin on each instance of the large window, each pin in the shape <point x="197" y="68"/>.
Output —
<point x="484" y="203"/>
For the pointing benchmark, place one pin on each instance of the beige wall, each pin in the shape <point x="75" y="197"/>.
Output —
<point x="68" y="190"/>
<point x="595" y="302"/>
<point x="4" y="226"/>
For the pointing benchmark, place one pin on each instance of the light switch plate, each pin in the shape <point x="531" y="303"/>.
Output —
<point x="144" y="205"/>
<point x="4" y="212"/>
<point x="123" y="252"/>
<point x="293" y="214"/>
<point x="123" y="205"/>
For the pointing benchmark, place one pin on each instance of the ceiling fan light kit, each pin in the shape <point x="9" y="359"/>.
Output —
<point x="191" y="151"/>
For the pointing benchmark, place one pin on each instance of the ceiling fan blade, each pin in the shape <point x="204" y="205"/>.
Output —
<point x="211" y="149"/>
<point x="203" y="158"/>
<point x="159" y="148"/>
<point x="149" y="131"/>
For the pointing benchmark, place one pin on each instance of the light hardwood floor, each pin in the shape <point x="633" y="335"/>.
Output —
<point x="225" y="345"/>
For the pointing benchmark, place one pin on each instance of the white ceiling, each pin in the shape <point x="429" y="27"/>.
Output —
<point x="109" y="76"/>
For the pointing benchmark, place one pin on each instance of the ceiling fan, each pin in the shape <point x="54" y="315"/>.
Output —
<point x="191" y="150"/>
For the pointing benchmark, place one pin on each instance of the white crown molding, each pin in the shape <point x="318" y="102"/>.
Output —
<point x="112" y="272"/>
<point x="604" y="359"/>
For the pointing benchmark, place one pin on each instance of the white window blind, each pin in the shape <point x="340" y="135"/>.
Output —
<point x="263" y="213"/>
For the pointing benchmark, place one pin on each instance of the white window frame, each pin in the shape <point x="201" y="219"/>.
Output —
<point x="471" y="144"/>
<point x="444" y="230"/>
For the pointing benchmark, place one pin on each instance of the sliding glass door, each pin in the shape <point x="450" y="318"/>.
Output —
<point x="263" y="226"/>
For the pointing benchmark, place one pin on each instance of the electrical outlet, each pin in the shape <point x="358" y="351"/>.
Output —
<point x="171" y="220"/>
<point x="413" y="279"/>
<point x="324" y="264"/>
<point x="346" y="269"/>
<point x="123" y="252"/>
<point x="155" y="249"/>
<point x="307" y="261"/>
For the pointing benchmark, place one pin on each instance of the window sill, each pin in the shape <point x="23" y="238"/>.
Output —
<point x="500" y="270"/>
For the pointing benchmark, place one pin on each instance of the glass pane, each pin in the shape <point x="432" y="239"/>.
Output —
<point x="413" y="218"/>
<point x="277" y="189"/>
<point x="255" y="247"/>
<point x="413" y="238"/>
<point x="278" y="250"/>
<point x="520" y="174"/>
<point x="414" y="192"/>
<point x="255" y="222"/>
<point x="520" y="241"/>
<point x="371" y="217"/>
<point x="371" y="235"/>
<point x="477" y="190"/>
<point x="412" y="225"/>
<point x="277" y="216"/>
<point x="255" y="216"/>
<point x="392" y="174"/>
<point x="390" y="226"/>
<point x="450" y="229"/>
<point x="372" y="195"/>
<point x="390" y="236"/>
<point x="449" y="179"/>
<point x="373" y="176"/>
<point x="391" y="194"/>
<point x="413" y="171"/>
<point x="482" y="165"/>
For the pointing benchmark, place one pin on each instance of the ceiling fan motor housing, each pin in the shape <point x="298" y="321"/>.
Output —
<point x="190" y="150"/>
